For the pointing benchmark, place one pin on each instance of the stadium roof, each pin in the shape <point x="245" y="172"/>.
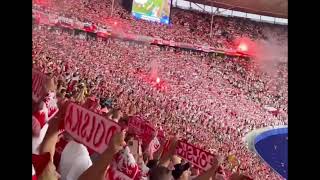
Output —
<point x="274" y="8"/>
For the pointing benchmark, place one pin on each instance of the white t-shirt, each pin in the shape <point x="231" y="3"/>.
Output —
<point x="36" y="141"/>
<point x="74" y="161"/>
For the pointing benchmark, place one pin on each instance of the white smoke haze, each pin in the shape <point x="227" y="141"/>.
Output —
<point x="154" y="65"/>
<point x="269" y="53"/>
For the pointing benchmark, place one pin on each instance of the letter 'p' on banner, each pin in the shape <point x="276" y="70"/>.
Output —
<point x="89" y="128"/>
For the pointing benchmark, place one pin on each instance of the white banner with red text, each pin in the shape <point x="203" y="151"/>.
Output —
<point x="89" y="128"/>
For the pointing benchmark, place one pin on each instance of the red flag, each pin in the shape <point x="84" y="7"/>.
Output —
<point x="47" y="110"/>
<point x="123" y="166"/>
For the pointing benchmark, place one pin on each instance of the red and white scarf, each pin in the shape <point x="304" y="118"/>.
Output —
<point x="123" y="166"/>
<point x="143" y="173"/>
<point x="48" y="109"/>
<point x="153" y="147"/>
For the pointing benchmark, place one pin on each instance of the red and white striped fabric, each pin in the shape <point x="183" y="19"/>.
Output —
<point x="51" y="103"/>
<point x="143" y="173"/>
<point x="41" y="115"/>
<point x="48" y="108"/>
<point x="123" y="166"/>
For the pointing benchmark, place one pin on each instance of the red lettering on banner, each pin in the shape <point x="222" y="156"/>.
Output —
<point x="110" y="133"/>
<point x="85" y="125"/>
<point x="203" y="159"/>
<point x="210" y="159"/>
<point x="97" y="144"/>
<point x="92" y="129"/>
<point x="196" y="156"/>
<point x="68" y="119"/>
<point x="79" y="121"/>
<point x="89" y="128"/>
<point x="189" y="152"/>
<point x="196" y="153"/>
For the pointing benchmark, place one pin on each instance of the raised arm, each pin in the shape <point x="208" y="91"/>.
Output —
<point x="98" y="169"/>
<point x="210" y="173"/>
<point x="158" y="153"/>
<point x="51" y="138"/>
<point x="165" y="159"/>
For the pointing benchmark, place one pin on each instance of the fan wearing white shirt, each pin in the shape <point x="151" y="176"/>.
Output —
<point x="75" y="160"/>
<point x="37" y="140"/>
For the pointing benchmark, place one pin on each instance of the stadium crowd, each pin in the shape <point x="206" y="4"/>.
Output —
<point x="186" y="26"/>
<point x="231" y="110"/>
<point x="202" y="97"/>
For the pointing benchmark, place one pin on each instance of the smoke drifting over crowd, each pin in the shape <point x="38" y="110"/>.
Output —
<point x="270" y="52"/>
<point x="154" y="69"/>
<point x="266" y="53"/>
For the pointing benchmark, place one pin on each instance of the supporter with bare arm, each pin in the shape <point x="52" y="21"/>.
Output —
<point x="165" y="159"/>
<point x="99" y="168"/>
<point x="47" y="147"/>
<point x="158" y="153"/>
<point x="51" y="138"/>
<point x="49" y="173"/>
<point x="161" y="171"/>
<point x="210" y="173"/>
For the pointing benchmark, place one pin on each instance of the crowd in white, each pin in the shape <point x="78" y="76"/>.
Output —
<point x="186" y="26"/>
<point x="213" y="101"/>
<point x="206" y="100"/>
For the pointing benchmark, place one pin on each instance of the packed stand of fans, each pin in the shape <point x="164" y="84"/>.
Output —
<point x="187" y="26"/>
<point x="207" y="98"/>
<point x="204" y="98"/>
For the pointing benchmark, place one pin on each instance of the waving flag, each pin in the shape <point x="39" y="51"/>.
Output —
<point x="123" y="166"/>
<point x="48" y="108"/>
